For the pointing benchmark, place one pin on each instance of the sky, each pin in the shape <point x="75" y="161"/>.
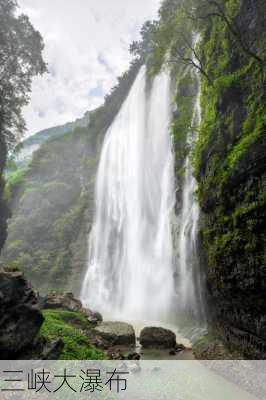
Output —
<point x="86" y="48"/>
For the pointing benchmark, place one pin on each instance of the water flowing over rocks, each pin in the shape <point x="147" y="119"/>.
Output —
<point x="190" y="286"/>
<point x="20" y="316"/>
<point x="132" y="237"/>
<point x="153" y="337"/>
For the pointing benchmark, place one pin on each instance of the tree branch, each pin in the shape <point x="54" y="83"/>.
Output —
<point x="233" y="30"/>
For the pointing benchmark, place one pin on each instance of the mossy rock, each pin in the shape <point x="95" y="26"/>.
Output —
<point x="72" y="328"/>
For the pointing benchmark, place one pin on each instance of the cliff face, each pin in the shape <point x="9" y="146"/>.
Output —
<point x="20" y="318"/>
<point x="52" y="199"/>
<point x="230" y="163"/>
<point x="52" y="207"/>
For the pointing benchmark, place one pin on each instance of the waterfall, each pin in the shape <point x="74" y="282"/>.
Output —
<point x="130" y="269"/>
<point x="190" y="286"/>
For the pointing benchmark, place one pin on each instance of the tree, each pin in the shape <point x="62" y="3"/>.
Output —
<point x="202" y="11"/>
<point x="20" y="60"/>
<point x="142" y="48"/>
<point x="171" y="39"/>
<point x="168" y="40"/>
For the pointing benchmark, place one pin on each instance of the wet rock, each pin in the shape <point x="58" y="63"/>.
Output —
<point x="133" y="356"/>
<point x="43" y="349"/>
<point x="64" y="301"/>
<point x="180" y="347"/>
<point x="115" y="334"/>
<point x="94" y="317"/>
<point x="115" y="355"/>
<point x="20" y="316"/>
<point x="153" y="337"/>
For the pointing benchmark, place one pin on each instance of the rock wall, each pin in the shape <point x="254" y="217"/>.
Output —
<point x="230" y="163"/>
<point x="20" y="316"/>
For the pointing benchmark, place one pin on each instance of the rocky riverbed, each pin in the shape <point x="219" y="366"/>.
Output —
<point x="41" y="327"/>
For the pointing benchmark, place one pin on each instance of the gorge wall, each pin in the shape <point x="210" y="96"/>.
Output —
<point x="230" y="165"/>
<point x="229" y="158"/>
<point x="52" y="197"/>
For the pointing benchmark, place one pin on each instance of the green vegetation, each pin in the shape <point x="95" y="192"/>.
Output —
<point x="14" y="179"/>
<point x="20" y="60"/>
<point x="182" y="121"/>
<point x="229" y="163"/>
<point x="52" y="198"/>
<point x="233" y="127"/>
<point x="212" y="347"/>
<point x="71" y="327"/>
<point x="169" y="40"/>
<point x="56" y="131"/>
<point x="52" y="204"/>
<point x="229" y="158"/>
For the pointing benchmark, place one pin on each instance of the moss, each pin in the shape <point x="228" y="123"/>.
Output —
<point x="229" y="167"/>
<point x="14" y="179"/>
<point x="71" y="328"/>
<point x="11" y="268"/>
<point x="181" y="125"/>
<point x="254" y="127"/>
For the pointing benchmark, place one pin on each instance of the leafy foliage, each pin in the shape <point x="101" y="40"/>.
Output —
<point x="229" y="165"/>
<point x="49" y="199"/>
<point x="52" y="199"/>
<point x="71" y="327"/>
<point x="20" y="59"/>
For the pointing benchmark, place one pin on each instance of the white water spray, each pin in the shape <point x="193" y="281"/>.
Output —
<point x="130" y="272"/>
<point x="190" y="286"/>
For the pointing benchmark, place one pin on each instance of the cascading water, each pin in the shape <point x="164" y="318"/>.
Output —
<point x="190" y="285"/>
<point x="130" y="271"/>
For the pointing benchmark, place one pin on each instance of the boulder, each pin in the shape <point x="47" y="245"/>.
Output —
<point x="114" y="354"/>
<point x="133" y="356"/>
<point x="157" y="338"/>
<point x="43" y="349"/>
<point x="20" y="316"/>
<point x="180" y="347"/>
<point x="52" y="350"/>
<point x="115" y="334"/>
<point x="64" y="301"/>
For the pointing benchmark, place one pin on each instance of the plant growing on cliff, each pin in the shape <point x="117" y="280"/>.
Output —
<point x="202" y="13"/>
